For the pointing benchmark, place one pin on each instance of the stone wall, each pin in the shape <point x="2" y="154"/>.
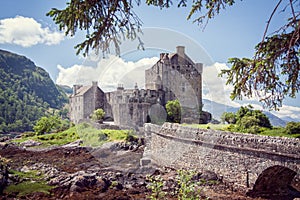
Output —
<point x="231" y="155"/>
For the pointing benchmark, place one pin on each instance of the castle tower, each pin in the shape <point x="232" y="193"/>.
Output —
<point x="180" y="78"/>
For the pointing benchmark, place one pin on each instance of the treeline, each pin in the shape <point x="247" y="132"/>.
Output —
<point x="248" y="120"/>
<point x="26" y="93"/>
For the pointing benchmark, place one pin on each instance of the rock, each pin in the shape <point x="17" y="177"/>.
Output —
<point x="25" y="169"/>
<point x="207" y="175"/>
<point x="76" y="143"/>
<point x="3" y="176"/>
<point x="145" y="161"/>
<point x="30" y="143"/>
<point x="5" y="138"/>
<point x="3" y="145"/>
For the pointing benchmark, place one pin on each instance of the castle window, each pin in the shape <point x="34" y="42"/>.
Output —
<point x="183" y="87"/>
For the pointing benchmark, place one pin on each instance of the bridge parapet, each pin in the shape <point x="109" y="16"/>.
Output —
<point x="238" y="158"/>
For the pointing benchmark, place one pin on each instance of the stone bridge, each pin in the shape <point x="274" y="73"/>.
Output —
<point x="235" y="157"/>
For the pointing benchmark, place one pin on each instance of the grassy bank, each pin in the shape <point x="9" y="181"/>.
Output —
<point x="89" y="135"/>
<point x="275" y="131"/>
<point x="33" y="182"/>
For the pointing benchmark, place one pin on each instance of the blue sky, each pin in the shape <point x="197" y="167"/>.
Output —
<point x="234" y="33"/>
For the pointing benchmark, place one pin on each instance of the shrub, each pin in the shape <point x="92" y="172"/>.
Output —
<point x="292" y="127"/>
<point x="156" y="184"/>
<point x="173" y="111"/>
<point x="98" y="114"/>
<point x="228" y="117"/>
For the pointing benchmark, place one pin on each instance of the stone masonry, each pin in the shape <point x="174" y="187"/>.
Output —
<point x="233" y="156"/>
<point x="174" y="76"/>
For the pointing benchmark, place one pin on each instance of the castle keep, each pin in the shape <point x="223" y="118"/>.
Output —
<point x="174" y="76"/>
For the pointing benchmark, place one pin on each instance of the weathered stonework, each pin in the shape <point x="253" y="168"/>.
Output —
<point x="174" y="76"/>
<point x="231" y="155"/>
<point x="84" y="100"/>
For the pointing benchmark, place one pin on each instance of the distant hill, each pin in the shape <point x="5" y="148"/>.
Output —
<point x="218" y="109"/>
<point x="68" y="90"/>
<point x="26" y="92"/>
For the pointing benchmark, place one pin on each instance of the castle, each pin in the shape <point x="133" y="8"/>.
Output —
<point x="174" y="76"/>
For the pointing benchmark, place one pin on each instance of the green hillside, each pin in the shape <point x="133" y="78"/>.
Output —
<point x="26" y="93"/>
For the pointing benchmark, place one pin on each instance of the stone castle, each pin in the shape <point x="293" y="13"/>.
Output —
<point x="174" y="76"/>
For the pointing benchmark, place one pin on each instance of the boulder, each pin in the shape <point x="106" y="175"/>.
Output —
<point x="3" y="176"/>
<point x="30" y="143"/>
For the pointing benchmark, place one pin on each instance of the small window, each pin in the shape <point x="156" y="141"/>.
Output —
<point x="183" y="87"/>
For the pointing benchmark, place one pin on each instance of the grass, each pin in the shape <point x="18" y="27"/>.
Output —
<point x="91" y="136"/>
<point x="28" y="187"/>
<point x="60" y="138"/>
<point x="275" y="131"/>
<point x="221" y="127"/>
<point x="34" y="184"/>
<point x="278" y="131"/>
<point x="32" y="174"/>
<point x="94" y="137"/>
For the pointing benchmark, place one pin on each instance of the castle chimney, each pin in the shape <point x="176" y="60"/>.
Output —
<point x="162" y="56"/>
<point x="180" y="51"/>
<point x="199" y="67"/>
<point x="76" y="88"/>
<point x="95" y="83"/>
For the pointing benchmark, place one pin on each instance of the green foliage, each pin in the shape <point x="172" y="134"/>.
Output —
<point x="98" y="114"/>
<point x="94" y="137"/>
<point x="36" y="184"/>
<point x="108" y="21"/>
<point x="32" y="174"/>
<point x="247" y="120"/>
<point x="156" y="184"/>
<point x="60" y="138"/>
<point x="187" y="189"/>
<point x="50" y="124"/>
<point x="274" y="131"/>
<point x="26" y="93"/>
<point x="228" y="117"/>
<point x="292" y="128"/>
<point x="173" y="111"/>
<point x="28" y="187"/>
<point x="274" y="71"/>
<point x="278" y="131"/>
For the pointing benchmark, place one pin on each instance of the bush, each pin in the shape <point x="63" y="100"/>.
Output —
<point x="292" y="127"/>
<point x="173" y="111"/>
<point x="50" y="124"/>
<point x="247" y="120"/>
<point x="98" y="115"/>
<point x="228" y="117"/>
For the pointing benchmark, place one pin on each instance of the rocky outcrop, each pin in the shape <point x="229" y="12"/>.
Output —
<point x="30" y="143"/>
<point x="3" y="176"/>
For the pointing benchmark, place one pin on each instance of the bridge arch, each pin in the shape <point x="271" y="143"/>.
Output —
<point x="238" y="158"/>
<point x="275" y="182"/>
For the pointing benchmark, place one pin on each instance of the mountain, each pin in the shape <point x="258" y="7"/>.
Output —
<point x="26" y="93"/>
<point x="68" y="90"/>
<point x="217" y="109"/>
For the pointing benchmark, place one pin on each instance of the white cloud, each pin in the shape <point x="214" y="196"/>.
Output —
<point x="108" y="72"/>
<point x="214" y="87"/>
<point x="288" y="112"/>
<point x="114" y="70"/>
<point x="27" y="32"/>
